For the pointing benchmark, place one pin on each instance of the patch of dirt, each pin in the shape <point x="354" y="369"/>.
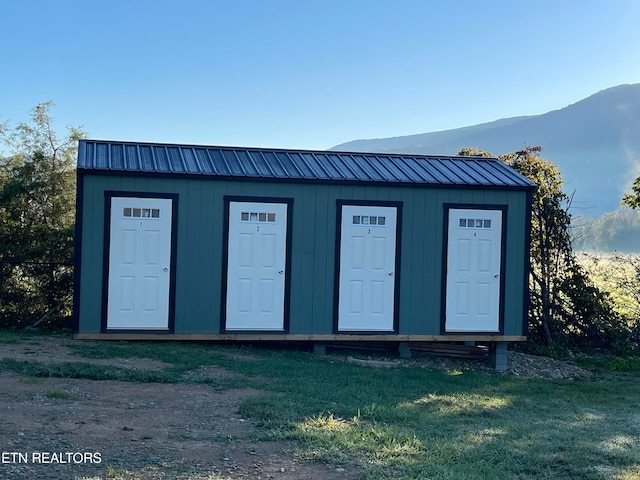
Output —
<point x="176" y="431"/>
<point x="56" y="349"/>
<point x="518" y="364"/>
<point x="154" y="429"/>
<point x="207" y="372"/>
<point x="524" y="365"/>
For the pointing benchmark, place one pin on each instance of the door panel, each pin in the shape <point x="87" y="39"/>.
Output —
<point x="367" y="268"/>
<point x="139" y="263"/>
<point x="473" y="271"/>
<point x="256" y="266"/>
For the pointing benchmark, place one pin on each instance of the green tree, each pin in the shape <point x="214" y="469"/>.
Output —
<point x="565" y="306"/>
<point x="550" y="240"/>
<point x="633" y="199"/>
<point x="37" y="198"/>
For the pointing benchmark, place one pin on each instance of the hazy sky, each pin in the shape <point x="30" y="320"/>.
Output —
<point x="303" y="73"/>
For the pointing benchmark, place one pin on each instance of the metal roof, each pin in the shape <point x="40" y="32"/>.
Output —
<point x="297" y="165"/>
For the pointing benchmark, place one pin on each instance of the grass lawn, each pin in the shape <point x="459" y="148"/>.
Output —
<point x="406" y="422"/>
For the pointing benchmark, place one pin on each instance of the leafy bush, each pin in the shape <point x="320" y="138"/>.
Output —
<point x="37" y="200"/>
<point x="588" y="315"/>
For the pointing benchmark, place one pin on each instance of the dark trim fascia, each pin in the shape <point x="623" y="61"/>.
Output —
<point x="283" y="331"/>
<point x="227" y="199"/>
<point x="370" y="203"/>
<point x="499" y="333"/>
<point x="151" y="331"/>
<point x="137" y="194"/>
<point x="256" y="199"/>
<point x="106" y="242"/>
<point x="443" y="273"/>
<point x="225" y="266"/>
<point x="445" y="252"/>
<point x="397" y="274"/>
<point x="77" y="252"/>
<point x="475" y="206"/>
<point x="336" y="266"/>
<point x="108" y="195"/>
<point x="503" y="266"/>
<point x="320" y="181"/>
<point x="173" y="261"/>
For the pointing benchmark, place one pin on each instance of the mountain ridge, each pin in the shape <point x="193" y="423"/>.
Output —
<point x="595" y="142"/>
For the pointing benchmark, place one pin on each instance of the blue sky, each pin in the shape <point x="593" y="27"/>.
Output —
<point x="304" y="73"/>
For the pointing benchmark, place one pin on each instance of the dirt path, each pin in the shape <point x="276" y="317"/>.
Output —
<point x="65" y="426"/>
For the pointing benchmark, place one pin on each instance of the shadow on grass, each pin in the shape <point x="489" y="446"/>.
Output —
<point x="84" y="370"/>
<point x="413" y="423"/>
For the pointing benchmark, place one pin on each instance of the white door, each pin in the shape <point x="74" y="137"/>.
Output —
<point x="256" y="266"/>
<point x="367" y="268"/>
<point x="139" y="263"/>
<point x="473" y="271"/>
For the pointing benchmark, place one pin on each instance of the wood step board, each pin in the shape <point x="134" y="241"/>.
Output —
<point x="472" y="352"/>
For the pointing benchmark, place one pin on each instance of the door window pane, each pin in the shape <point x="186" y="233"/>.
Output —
<point x="368" y="220"/>
<point x="261" y="217"/>
<point x="141" y="212"/>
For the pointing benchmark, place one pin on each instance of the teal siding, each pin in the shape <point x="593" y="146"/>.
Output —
<point x="199" y="253"/>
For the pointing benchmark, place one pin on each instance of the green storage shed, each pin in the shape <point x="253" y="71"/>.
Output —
<point x="224" y="243"/>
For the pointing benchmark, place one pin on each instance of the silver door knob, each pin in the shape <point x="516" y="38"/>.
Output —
<point x="391" y="274"/>
<point x="496" y="275"/>
<point x="281" y="272"/>
<point x="165" y="269"/>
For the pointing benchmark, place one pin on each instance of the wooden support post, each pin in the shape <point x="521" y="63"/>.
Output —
<point x="498" y="356"/>
<point x="404" y="351"/>
<point x="319" y="349"/>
